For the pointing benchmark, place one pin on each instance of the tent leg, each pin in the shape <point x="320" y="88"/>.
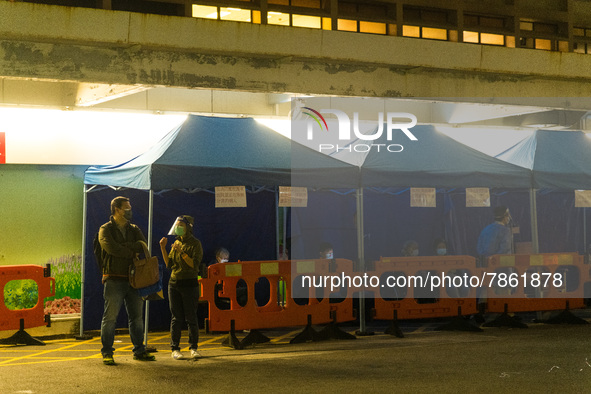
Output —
<point x="150" y="226"/>
<point x="83" y="263"/>
<point x="361" y="256"/>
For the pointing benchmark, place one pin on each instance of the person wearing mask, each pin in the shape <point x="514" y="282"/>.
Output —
<point x="184" y="260"/>
<point x="440" y="247"/>
<point x="496" y="238"/>
<point x="325" y="251"/>
<point x="410" y="249"/>
<point x="120" y="242"/>
<point x="222" y="255"/>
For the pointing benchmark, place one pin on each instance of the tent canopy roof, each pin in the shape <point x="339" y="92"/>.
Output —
<point x="559" y="159"/>
<point x="211" y="151"/>
<point x="436" y="160"/>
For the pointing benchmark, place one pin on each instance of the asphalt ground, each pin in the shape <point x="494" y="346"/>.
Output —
<point x="542" y="358"/>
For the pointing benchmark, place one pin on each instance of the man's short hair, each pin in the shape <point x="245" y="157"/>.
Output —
<point x="324" y="247"/>
<point x="500" y="212"/>
<point x="222" y="251"/>
<point x="117" y="202"/>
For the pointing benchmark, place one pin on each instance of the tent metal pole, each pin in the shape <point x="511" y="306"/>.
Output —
<point x="534" y="234"/>
<point x="83" y="262"/>
<point x="534" y="220"/>
<point x="361" y="257"/>
<point x="585" y="230"/>
<point x="150" y="219"/>
<point x="285" y="231"/>
<point x="277" y="223"/>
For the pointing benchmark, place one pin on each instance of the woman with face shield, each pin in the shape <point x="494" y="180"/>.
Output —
<point x="184" y="260"/>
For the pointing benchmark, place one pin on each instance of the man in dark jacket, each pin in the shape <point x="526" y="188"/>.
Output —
<point x="121" y="241"/>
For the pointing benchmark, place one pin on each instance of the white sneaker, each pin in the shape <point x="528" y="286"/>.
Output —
<point x="177" y="355"/>
<point x="195" y="353"/>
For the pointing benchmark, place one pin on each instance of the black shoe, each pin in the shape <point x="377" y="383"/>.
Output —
<point x="108" y="359"/>
<point x="145" y="356"/>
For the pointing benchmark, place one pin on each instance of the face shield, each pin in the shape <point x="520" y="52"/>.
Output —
<point x="179" y="219"/>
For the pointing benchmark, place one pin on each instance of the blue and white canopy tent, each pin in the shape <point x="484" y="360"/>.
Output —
<point x="434" y="160"/>
<point x="205" y="152"/>
<point x="559" y="161"/>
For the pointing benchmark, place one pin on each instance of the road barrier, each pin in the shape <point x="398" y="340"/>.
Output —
<point x="542" y="282"/>
<point x="237" y="281"/>
<point x="414" y="302"/>
<point x="20" y="319"/>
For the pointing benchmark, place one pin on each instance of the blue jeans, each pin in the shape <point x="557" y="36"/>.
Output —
<point x="183" y="302"/>
<point x="115" y="292"/>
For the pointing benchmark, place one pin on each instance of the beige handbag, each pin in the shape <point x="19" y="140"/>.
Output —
<point x="144" y="272"/>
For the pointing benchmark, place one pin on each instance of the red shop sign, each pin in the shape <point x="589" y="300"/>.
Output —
<point x="2" y="148"/>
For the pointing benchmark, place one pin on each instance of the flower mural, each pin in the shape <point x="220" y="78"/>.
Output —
<point x="24" y="294"/>
<point x="62" y="306"/>
<point x="67" y="273"/>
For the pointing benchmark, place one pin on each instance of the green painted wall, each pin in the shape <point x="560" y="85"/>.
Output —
<point x="40" y="212"/>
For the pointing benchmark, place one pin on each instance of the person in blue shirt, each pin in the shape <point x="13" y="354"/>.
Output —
<point x="496" y="238"/>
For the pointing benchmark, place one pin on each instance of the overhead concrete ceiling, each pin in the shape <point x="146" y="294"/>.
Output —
<point x="555" y="113"/>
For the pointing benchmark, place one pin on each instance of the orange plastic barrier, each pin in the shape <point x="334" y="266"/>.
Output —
<point x="549" y="264"/>
<point x="32" y="317"/>
<point x="408" y="307"/>
<point x="277" y="312"/>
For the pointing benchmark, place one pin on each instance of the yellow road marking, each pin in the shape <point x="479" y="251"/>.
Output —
<point x="208" y="341"/>
<point x="45" y="352"/>
<point x="52" y="361"/>
<point x="294" y="333"/>
<point x="130" y="346"/>
<point x="212" y="340"/>
<point x="43" y="357"/>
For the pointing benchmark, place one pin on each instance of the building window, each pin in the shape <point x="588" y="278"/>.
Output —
<point x="434" y="34"/>
<point x="205" y="11"/>
<point x="424" y="32"/>
<point x="312" y="22"/>
<point x="484" y="22"/>
<point x="581" y="47"/>
<point x="484" y="38"/>
<point x="347" y="25"/>
<point x="411" y="31"/>
<point x="581" y="32"/>
<point x="235" y="14"/>
<point x="527" y="26"/>
<point x="277" y="18"/>
<point x="372" y="27"/>
<point x="543" y="44"/>
<point x="492" y="39"/>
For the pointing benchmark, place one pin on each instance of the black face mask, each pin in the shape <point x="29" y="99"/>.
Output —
<point x="127" y="214"/>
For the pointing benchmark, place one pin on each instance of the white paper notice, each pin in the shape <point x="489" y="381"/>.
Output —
<point x="477" y="197"/>
<point x="582" y="198"/>
<point x="293" y="196"/>
<point x="422" y="197"/>
<point x="230" y="197"/>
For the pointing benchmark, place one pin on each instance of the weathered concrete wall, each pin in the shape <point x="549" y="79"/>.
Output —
<point x="87" y="45"/>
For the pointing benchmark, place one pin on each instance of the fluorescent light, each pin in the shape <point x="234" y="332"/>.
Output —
<point x="41" y="136"/>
